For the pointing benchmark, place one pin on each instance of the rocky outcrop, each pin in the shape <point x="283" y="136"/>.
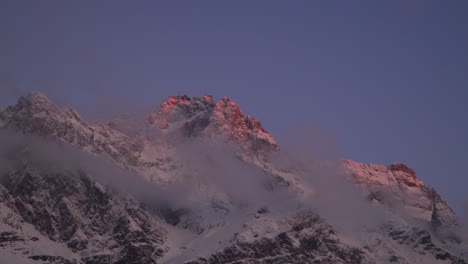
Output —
<point x="421" y="242"/>
<point x="89" y="219"/>
<point x="201" y="116"/>
<point x="306" y="238"/>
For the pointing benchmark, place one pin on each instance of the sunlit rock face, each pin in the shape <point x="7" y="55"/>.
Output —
<point x="202" y="116"/>
<point x="51" y="214"/>
<point x="184" y="109"/>
<point x="397" y="186"/>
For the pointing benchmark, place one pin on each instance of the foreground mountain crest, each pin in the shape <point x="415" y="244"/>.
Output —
<point x="75" y="192"/>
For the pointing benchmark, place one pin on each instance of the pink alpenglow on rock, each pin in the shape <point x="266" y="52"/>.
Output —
<point x="202" y="116"/>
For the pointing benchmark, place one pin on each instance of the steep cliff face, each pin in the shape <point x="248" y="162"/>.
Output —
<point x="52" y="214"/>
<point x="92" y="223"/>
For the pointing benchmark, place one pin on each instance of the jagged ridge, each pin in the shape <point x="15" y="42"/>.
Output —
<point x="192" y="118"/>
<point x="198" y="116"/>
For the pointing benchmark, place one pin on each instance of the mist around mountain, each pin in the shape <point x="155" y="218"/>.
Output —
<point x="197" y="181"/>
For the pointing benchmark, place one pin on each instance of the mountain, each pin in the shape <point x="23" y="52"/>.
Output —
<point x="194" y="117"/>
<point x="197" y="181"/>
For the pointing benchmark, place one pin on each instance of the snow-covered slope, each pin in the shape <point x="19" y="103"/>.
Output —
<point x="397" y="185"/>
<point x="209" y="190"/>
<point x="67" y="217"/>
<point x="36" y="114"/>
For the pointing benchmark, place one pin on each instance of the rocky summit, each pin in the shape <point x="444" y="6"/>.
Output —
<point x="197" y="181"/>
<point x="202" y="116"/>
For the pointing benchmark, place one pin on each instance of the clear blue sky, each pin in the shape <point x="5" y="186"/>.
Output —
<point x="387" y="79"/>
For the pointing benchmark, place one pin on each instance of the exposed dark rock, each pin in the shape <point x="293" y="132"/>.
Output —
<point x="404" y="168"/>
<point x="67" y="207"/>
<point x="317" y="244"/>
<point x="53" y="259"/>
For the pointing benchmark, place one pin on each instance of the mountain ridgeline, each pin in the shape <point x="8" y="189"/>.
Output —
<point x="197" y="181"/>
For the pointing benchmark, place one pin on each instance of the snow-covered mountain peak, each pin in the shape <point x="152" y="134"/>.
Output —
<point x="36" y="98"/>
<point x="202" y="116"/>
<point x="180" y="108"/>
<point x="238" y="208"/>
<point x="34" y="112"/>
<point x="37" y="115"/>
<point x="38" y="104"/>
